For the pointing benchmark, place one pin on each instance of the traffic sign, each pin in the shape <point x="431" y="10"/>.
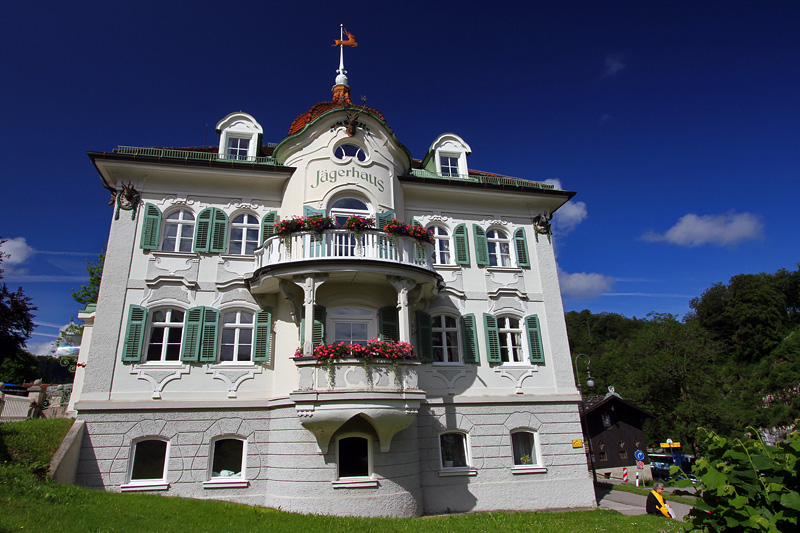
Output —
<point x="639" y="454"/>
<point x="640" y="465"/>
<point x="670" y="444"/>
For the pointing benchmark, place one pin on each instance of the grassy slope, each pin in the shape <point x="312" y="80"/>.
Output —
<point x="31" y="503"/>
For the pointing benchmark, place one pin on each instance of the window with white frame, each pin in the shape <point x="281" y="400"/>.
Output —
<point x="499" y="248"/>
<point x="178" y="231"/>
<point x="353" y="456"/>
<point x="453" y="448"/>
<point x="352" y="325"/>
<point x="441" y="246"/>
<point x="237" y="148"/>
<point x="228" y="458"/>
<point x="237" y="336"/>
<point x="244" y="235"/>
<point x="523" y="446"/>
<point x="510" y="334"/>
<point x="448" y="165"/>
<point x="149" y="461"/>
<point x="444" y="335"/>
<point x="166" y="333"/>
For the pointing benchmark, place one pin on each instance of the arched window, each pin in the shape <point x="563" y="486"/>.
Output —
<point x="244" y="235"/>
<point x="499" y="248"/>
<point x="347" y="150"/>
<point x="444" y="335"/>
<point x="441" y="246"/>
<point x="454" y="453"/>
<point x="510" y="334"/>
<point x="178" y="231"/>
<point x="166" y="333"/>
<point x="523" y="445"/>
<point x="149" y="461"/>
<point x="352" y="325"/>
<point x="228" y="458"/>
<point x="237" y="336"/>
<point x="353" y="456"/>
<point x="340" y="211"/>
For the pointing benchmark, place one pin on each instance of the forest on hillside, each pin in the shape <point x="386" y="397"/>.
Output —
<point x="732" y="363"/>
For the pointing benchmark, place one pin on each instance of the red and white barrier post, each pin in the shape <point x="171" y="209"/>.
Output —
<point x="637" y="479"/>
<point x="624" y="475"/>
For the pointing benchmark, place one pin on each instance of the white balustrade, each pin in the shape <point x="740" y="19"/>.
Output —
<point x="345" y="244"/>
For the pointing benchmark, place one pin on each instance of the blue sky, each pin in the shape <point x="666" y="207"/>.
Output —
<point x="678" y="123"/>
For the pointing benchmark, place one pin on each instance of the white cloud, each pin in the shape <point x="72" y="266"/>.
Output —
<point x="583" y="285"/>
<point x="613" y="65"/>
<point x="569" y="216"/>
<point x="722" y="230"/>
<point x="16" y="250"/>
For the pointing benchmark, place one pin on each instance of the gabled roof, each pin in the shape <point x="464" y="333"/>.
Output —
<point x="593" y="403"/>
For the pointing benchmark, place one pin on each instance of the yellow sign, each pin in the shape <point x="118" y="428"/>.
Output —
<point x="670" y="444"/>
<point x="577" y="443"/>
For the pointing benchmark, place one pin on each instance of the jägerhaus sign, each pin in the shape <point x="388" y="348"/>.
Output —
<point x="349" y="175"/>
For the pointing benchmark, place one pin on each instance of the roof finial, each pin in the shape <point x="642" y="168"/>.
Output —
<point x="341" y="42"/>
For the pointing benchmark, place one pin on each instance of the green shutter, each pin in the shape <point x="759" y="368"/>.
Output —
<point x="208" y="339"/>
<point x="262" y="335"/>
<point x="470" y="338"/>
<point x="389" y="323"/>
<point x="481" y="246"/>
<point x="492" y="338"/>
<point x="384" y="218"/>
<point x="202" y="231"/>
<point x="521" y="245"/>
<point x="309" y="211"/>
<point x="425" y="336"/>
<point x="134" y="334"/>
<point x="268" y="225"/>
<point x="151" y="227"/>
<point x="192" y="331"/>
<point x="219" y="232"/>
<point x="534" y="338"/>
<point x="320" y="317"/>
<point x="462" y="244"/>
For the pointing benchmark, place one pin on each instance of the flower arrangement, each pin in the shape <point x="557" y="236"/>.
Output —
<point x="320" y="223"/>
<point x="291" y="225"/>
<point x="395" y="227"/>
<point x="358" y="224"/>
<point x="374" y="349"/>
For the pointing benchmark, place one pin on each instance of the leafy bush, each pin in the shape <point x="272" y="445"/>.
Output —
<point x="746" y="485"/>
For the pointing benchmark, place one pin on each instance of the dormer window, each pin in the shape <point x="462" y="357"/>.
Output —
<point x="238" y="148"/>
<point x="447" y="156"/>
<point x="448" y="165"/>
<point x="239" y="137"/>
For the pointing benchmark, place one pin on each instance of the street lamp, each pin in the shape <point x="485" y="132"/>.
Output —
<point x="584" y="424"/>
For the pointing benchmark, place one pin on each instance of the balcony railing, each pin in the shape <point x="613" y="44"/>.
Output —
<point x="188" y="155"/>
<point x="345" y="244"/>
<point x="483" y="179"/>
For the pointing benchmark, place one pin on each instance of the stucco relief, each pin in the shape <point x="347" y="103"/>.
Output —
<point x="233" y="376"/>
<point x="506" y="304"/>
<point x="159" y="376"/>
<point x="449" y="375"/>
<point x="235" y="267"/>
<point x="176" y="199"/>
<point x="182" y="265"/>
<point x="166" y="294"/>
<point x="238" y="295"/>
<point x="516" y="375"/>
<point x="501" y="280"/>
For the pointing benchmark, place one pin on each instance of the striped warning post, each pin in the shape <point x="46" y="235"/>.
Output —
<point x="624" y="475"/>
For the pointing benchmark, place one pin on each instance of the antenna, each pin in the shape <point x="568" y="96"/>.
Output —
<point x="205" y="137"/>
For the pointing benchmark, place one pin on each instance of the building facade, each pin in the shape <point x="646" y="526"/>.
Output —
<point x="235" y="274"/>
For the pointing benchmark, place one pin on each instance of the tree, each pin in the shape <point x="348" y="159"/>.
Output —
<point x="86" y="295"/>
<point x="16" y="326"/>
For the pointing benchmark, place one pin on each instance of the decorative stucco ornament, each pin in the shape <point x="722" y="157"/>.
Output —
<point x="127" y="199"/>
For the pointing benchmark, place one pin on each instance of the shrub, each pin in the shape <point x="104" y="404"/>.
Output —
<point x="746" y="485"/>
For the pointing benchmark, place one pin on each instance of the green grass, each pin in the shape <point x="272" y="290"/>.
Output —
<point x="31" y="503"/>
<point x="31" y="443"/>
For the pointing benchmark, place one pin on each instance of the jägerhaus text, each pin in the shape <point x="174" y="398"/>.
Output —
<point x="331" y="176"/>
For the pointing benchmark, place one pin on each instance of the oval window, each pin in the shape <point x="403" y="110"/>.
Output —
<point x="344" y="151"/>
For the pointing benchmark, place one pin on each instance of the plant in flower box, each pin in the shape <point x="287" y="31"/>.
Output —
<point x="358" y="224"/>
<point x="318" y="223"/>
<point x="421" y="233"/>
<point x="289" y="226"/>
<point x="395" y="227"/>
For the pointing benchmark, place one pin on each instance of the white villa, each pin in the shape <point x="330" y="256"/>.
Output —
<point x="225" y="356"/>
